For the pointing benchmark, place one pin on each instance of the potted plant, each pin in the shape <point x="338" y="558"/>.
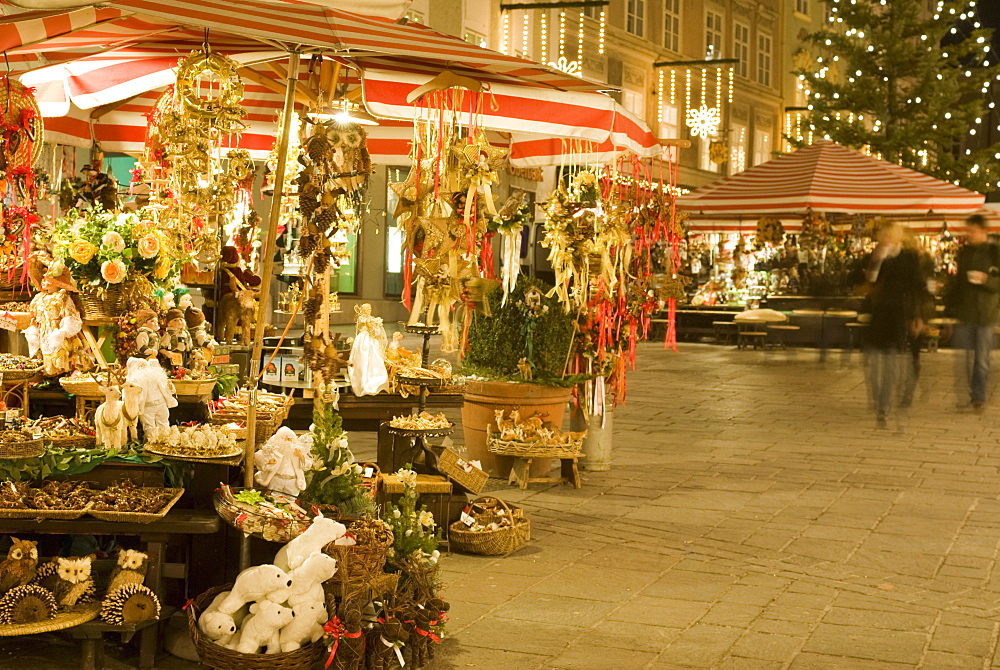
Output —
<point x="116" y="259"/>
<point x="517" y="355"/>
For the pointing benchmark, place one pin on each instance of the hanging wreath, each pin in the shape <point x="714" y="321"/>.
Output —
<point x="769" y="231"/>
<point x="224" y="109"/>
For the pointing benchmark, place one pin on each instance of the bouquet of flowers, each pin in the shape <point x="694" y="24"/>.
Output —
<point x="104" y="249"/>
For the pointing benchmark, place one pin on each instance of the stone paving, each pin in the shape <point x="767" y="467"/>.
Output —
<point x="755" y="518"/>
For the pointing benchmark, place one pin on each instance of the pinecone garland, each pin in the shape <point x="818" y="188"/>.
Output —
<point x="27" y="604"/>
<point x="325" y="217"/>
<point x="318" y="147"/>
<point x="307" y="204"/>
<point x="321" y="261"/>
<point x="307" y="245"/>
<point x="130" y="604"/>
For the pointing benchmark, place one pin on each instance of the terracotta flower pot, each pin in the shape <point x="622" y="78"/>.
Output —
<point x="483" y="399"/>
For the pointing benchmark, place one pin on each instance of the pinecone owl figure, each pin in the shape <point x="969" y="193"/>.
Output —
<point x="19" y="567"/>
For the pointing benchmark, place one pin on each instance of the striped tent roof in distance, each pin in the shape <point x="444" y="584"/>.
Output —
<point x="828" y="177"/>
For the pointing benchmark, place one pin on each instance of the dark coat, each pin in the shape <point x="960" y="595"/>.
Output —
<point x="977" y="304"/>
<point x="896" y="300"/>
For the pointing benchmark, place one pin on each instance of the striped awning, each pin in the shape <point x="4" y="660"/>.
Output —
<point x="120" y="87"/>
<point x="277" y="24"/>
<point x="826" y="177"/>
<point x="115" y="59"/>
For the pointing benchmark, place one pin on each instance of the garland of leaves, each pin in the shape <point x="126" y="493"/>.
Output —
<point x="65" y="462"/>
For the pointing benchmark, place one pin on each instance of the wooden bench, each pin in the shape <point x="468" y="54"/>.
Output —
<point x="520" y="473"/>
<point x="153" y="537"/>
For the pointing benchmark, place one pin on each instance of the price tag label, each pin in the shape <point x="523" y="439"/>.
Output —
<point x="468" y="520"/>
<point x="7" y="322"/>
<point x="369" y="471"/>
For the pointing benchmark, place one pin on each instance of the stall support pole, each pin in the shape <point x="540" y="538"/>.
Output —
<point x="267" y="269"/>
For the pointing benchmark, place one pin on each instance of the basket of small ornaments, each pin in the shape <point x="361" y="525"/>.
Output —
<point x="194" y="442"/>
<point x="272" y="617"/>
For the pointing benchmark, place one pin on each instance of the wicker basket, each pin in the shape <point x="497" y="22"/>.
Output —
<point x="463" y="473"/>
<point x="22" y="449"/>
<point x="85" y="387"/>
<point x="61" y="514"/>
<point x="110" y="307"/>
<point x="193" y="387"/>
<point x="371" y="484"/>
<point x="498" y="542"/>
<point x="535" y="449"/>
<point x="267" y="423"/>
<point x="360" y="562"/>
<point x="137" y="517"/>
<point x="74" y="442"/>
<point x="221" y="658"/>
<point x="264" y="527"/>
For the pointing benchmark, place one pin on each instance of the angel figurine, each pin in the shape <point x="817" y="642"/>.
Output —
<point x="368" y="372"/>
<point x="282" y="461"/>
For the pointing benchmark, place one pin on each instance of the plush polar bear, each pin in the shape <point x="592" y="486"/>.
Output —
<point x="257" y="583"/>
<point x="321" y="532"/>
<point x="218" y="627"/>
<point x="308" y="578"/>
<point x="306" y="627"/>
<point x="262" y="628"/>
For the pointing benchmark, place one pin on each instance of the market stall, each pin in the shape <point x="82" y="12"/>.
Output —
<point x="793" y="232"/>
<point x="156" y="416"/>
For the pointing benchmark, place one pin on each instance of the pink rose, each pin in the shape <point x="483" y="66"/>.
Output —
<point x="113" y="271"/>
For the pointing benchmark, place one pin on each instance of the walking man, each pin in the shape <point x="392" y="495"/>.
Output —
<point x="975" y="302"/>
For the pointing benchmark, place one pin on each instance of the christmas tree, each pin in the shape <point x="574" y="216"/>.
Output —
<point x="911" y="84"/>
<point x="334" y="479"/>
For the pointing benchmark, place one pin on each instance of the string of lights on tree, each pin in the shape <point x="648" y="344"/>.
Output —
<point x="910" y="85"/>
<point x="544" y="31"/>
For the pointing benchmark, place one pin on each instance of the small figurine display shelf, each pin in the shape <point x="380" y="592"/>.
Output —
<point x="410" y="444"/>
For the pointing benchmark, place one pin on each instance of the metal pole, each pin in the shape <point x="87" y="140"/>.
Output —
<point x="267" y="254"/>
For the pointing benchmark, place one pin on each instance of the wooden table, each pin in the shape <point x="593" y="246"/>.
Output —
<point x="153" y="536"/>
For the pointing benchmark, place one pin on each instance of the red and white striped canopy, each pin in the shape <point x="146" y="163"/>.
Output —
<point x="254" y="24"/>
<point x="827" y="177"/>
<point x="104" y="58"/>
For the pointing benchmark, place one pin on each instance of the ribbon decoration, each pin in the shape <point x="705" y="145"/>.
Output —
<point x="396" y="647"/>
<point x="426" y="633"/>
<point x="336" y="629"/>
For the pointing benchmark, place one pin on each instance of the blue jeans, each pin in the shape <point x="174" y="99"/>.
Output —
<point x="978" y="343"/>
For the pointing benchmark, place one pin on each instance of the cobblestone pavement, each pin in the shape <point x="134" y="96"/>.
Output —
<point x="755" y="518"/>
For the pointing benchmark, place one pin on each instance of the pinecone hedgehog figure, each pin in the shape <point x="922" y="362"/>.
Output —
<point x="27" y="604"/>
<point x="130" y="604"/>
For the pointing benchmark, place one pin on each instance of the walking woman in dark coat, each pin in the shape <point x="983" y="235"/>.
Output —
<point x="898" y="289"/>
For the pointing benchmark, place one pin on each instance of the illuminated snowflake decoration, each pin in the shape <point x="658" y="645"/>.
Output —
<point x="703" y="121"/>
<point x="568" y="66"/>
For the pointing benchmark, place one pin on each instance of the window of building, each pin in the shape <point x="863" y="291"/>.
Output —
<point x="670" y="123"/>
<point x="393" y="237"/>
<point x="738" y="149"/>
<point x="705" y="161"/>
<point x="713" y="35"/>
<point x="635" y="17"/>
<point x="741" y="48"/>
<point x="345" y="278"/>
<point x="764" y="59"/>
<point x="672" y="24"/>
<point x="475" y="38"/>
<point x="414" y="17"/>
<point x="635" y="102"/>
<point x="761" y="146"/>
<point x="802" y="7"/>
